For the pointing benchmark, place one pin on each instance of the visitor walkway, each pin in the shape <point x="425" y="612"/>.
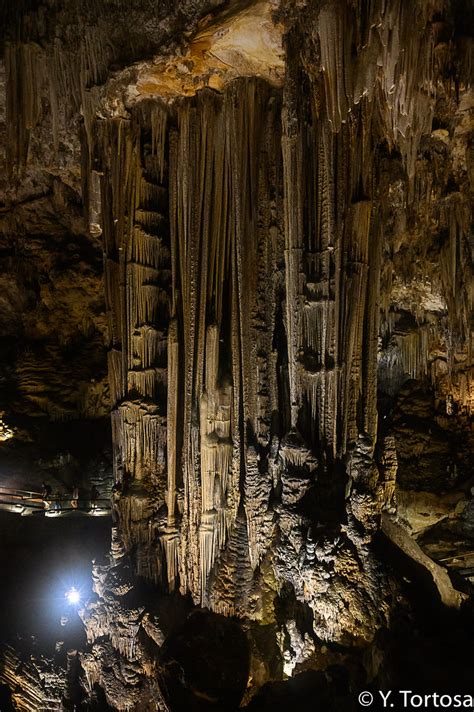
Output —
<point x="25" y="502"/>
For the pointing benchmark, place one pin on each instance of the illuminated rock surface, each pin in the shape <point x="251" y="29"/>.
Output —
<point x="261" y="213"/>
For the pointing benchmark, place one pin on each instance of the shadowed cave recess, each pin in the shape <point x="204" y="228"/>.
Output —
<point x="236" y="299"/>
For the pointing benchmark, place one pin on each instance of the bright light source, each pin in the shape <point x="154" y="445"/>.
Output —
<point x="73" y="596"/>
<point x="5" y="432"/>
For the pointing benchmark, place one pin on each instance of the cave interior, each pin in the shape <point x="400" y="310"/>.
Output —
<point x="236" y="354"/>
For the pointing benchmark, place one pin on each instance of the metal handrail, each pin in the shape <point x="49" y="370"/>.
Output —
<point x="30" y="494"/>
<point x="25" y="494"/>
<point x="39" y="503"/>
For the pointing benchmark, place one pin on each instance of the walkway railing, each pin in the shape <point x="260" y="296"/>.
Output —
<point x="29" y="502"/>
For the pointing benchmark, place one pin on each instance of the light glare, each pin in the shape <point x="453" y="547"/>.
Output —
<point x="73" y="596"/>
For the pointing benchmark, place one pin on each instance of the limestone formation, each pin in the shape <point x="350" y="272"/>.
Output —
<point x="282" y="196"/>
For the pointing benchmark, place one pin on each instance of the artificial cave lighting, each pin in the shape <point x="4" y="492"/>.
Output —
<point x="73" y="596"/>
<point x="6" y="433"/>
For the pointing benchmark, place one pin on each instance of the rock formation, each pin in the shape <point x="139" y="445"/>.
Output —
<point x="281" y="192"/>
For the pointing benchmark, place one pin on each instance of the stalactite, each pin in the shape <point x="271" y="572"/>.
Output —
<point x="335" y="32"/>
<point x="243" y="361"/>
<point x="142" y="438"/>
<point x="172" y="449"/>
<point x="159" y="117"/>
<point x="214" y="278"/>
<point x="414" y="351"/>
<point x="148" y="250"/>
<point x="456" y="269"/>
<point x="25" y="76"/>
<point x="114" y="366"/>
<point x="331" y="324"/>
<point x="137" y="277"/>
<point x="148" y="347"/>
<point x="369" y="420"/>
<point x="220" y="267"/>
<point x="216" y="458"/>
<point x="292" y="162"/>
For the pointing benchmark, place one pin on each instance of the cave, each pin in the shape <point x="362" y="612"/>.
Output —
<point x="236" y="355"/>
